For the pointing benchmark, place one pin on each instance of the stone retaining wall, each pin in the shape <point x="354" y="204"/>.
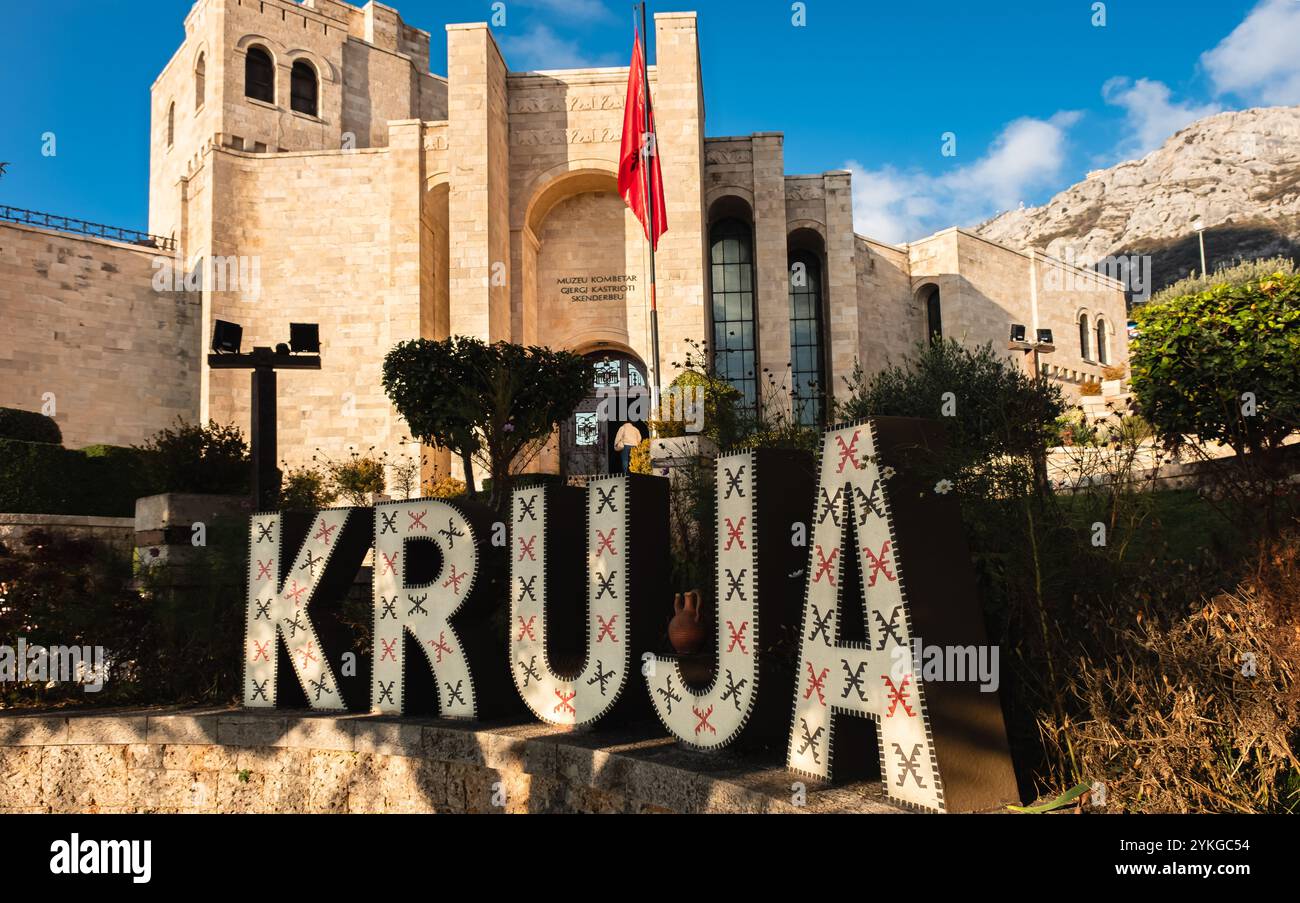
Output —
<point x="226" y="760"/>
<point x="118" y="532"/>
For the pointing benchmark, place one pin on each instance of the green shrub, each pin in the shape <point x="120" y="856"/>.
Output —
<point x="29" y="426"/>
<point x="357" y="478"/>
<point x="306" y="488"/>
<point x="100" y="480"/>
<point x="1234" y="274"/>
<point x="202" y="459"/>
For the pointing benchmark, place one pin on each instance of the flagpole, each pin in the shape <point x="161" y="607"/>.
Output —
<point x="648" y="166"/>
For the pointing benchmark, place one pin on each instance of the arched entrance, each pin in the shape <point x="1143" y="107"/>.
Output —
<point x="587" y="437"/>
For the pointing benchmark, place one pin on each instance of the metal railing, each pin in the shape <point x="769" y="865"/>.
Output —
<point x="82" y="227"/>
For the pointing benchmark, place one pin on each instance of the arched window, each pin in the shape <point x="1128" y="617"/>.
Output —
<point x="302" y="88"/>
<point x="808" y="372"/>
<point x="259" y="75"/>
<point x="200" y="81"/>
<point x="1083" y="337"/>
<point x="171" y="123"/>
<point x="734" y="341"/>
<point x="933" y="316"/>
<point x="1102" y="351"/>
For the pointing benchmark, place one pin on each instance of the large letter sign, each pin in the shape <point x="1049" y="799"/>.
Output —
<point x="626" y="525"/>
<point x="942" y="743"/>
<point x="440" y="537"/>
<point x="278" y="598"/>
<point x="761" y="495"/>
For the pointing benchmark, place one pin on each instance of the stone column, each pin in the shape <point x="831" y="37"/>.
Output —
<point x="842" y="327"/>
<point x="772" y="293"/>
<point x="478" y="134"/>
<point x="679" y="119"/>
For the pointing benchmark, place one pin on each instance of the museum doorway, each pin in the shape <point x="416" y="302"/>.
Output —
<point x="587" y="437"/>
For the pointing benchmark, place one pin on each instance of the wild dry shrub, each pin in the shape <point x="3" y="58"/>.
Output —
<point x="1199" y="712"/>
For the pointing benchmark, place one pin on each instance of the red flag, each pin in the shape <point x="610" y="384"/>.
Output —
<point x="631" y="174"/>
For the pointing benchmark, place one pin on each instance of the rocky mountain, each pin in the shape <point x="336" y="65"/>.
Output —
<point x="1238" y="172"/>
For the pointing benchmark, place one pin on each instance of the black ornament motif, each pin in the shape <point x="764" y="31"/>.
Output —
<point x="830" y="506"/>
<point x="264" y="531"/>
<point x="601" y="675"/>
<point x="606" y="499"/>
<point x="386" y="691"/>
<point x="310" y="563"/>
<point x="822" y="625"/>
<point x="259" y="688"/>
<point x="736" y="588"/>
<point x="606" y="585"/>
<point x="889" y="627"/>
<point x="294" y="625"/>
<point x="320" y="686"/>
<point x="417" y="605"/>
<point x="526" y="508"/>
<point x="909" y="764"/>
<point x="452" y="533"/>
<point x="733" y="689"/>
<point x="870" y="504"/>
<point x="669" y="694"/>
<point x="810" y="739"/>
<point x="263" y="609"/>
<point x="526" y="588"/>
<point x="454" y="692"/>
<point x="733" y="481"/>
<point x="389" y="523"/>
<point x="530" y="670"/>
<point x="389" y="609"/>
<point x="854" y="679"/>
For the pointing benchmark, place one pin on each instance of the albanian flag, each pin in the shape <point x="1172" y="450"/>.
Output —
<point x="638" y="145"/>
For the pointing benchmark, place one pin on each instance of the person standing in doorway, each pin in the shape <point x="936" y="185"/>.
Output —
<point x="627" y="438"/>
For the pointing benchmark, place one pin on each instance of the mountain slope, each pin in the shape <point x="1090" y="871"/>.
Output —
<point x="1238" y="171"/>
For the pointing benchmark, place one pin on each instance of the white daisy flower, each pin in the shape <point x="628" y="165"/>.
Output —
<point x="943" y="487"/>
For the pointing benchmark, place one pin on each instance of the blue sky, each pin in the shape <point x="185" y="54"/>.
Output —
<point x="1034" y="92"/>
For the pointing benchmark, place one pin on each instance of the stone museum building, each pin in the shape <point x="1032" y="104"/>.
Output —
<point x="308" y="166"/>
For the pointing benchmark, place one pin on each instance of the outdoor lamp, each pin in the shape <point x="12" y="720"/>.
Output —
<point x="226" y="337"/>
<point x="304" y="337"/>
<point x="1045" y="337"/>
<point x="1017" y="332"/>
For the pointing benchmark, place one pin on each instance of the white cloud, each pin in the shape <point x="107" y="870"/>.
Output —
<point x="897" y="206"/>
<point x="1151" y="114"/>
<point x="1260" y="60"/>
<point x="538" y="47"/>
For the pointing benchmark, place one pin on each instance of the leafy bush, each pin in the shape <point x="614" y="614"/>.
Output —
<point x="100" y="480"/>
<point x="210" y="459"/>
<point x="29" y="426"/>
<point x="357" y="478"/>
<point x="1090" y="387"/>
<point x="1231" y="274"/>
<point x="306" y="488"/>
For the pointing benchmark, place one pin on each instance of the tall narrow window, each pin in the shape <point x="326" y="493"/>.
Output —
<point x="933" y="316"/>
<point x="808" y="372"/>
<point x="1103" y="353"/>
<point x="302" y="89"/>
<point x="732" y="257"/>
<point x="171" y="124"/>
<point x="259" y="75"/>
<point x="1083" y="337"/>
<point x="200" y="81"/>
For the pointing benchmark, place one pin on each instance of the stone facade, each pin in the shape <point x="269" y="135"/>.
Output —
<point x="411" y="205"/>
<point x="246" y="762"/>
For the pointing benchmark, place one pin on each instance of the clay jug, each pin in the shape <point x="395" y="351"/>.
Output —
<point x="685" y="630"/>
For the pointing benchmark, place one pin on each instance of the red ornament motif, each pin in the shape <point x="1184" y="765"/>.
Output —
<point x="817" y="683"/>
<point x="734" y="534"/>
<point x="526" y="548"/>
<point x="606" y="542"/>
<point x="417" y="520"/>
<point x="526" y="628"/>
<point x="441" y="646"/>
<point x="453" y="580"/>
<point x="306" y="653"/>
<point x="390" y="564"/>
<point x="737" y="636"/>
<point x="898" y="696"/>
<point x="264" y="569"/>
<point x="880" y="565"/>
<point x="563" y="705"/>
<point x="849" y="452"/>
<point x="390" y="648"/>
<point x="262" y="650"/>
<point x="704" y="720"/>
<point x="824" y="566"/>
<point x="296" y="593"/>
<point x="607" y="628"/>
<point x="325" y="533"/>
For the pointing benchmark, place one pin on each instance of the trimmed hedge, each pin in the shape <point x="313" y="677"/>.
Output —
<point x="29" y="426"/>
<point x="98" y="481"/>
